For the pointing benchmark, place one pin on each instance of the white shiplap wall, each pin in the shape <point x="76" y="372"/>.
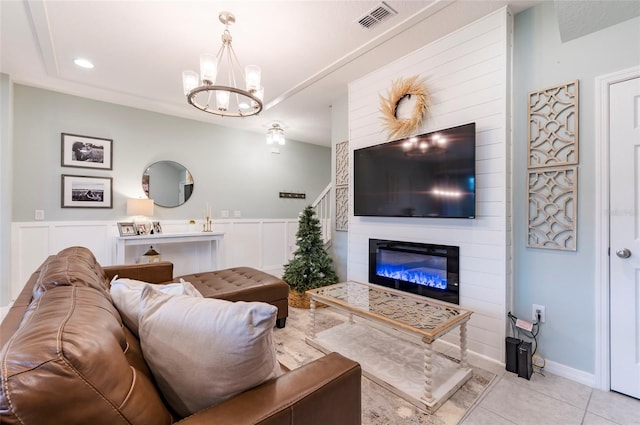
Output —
<point x="468" y="76"/>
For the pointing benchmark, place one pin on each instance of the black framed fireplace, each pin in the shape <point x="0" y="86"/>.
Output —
<point x="423" y="269"/>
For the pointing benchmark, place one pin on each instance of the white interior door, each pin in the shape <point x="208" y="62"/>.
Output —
<point x="624" y="137"/>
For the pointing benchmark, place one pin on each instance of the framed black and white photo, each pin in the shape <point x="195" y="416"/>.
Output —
<point x="86" y="152"/>
<point x="157" y="228"/>
<point x="142" y="229"/>
<point x="86" y="192"/>
<point x="127" y="229"/>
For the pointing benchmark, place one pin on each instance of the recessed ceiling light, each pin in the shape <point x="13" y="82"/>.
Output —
<point x="84" y="63"/>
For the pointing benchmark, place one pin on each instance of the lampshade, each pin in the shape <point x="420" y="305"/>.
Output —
<point x="140" y="207"/>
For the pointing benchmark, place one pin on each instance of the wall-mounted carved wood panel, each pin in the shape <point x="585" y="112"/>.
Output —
<point x="342" y="186"/>
<point x="553" y="126"/>
<point x="342" y="208"/>
<point x="552" y="208"/>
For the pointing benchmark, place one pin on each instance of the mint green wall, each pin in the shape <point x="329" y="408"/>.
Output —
<point x="232" y="169"/>
<point x="564" y="282"/>
<point x="5" y="185"/>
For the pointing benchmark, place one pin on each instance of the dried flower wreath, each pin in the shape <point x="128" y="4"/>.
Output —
<point x="400" y="89"/>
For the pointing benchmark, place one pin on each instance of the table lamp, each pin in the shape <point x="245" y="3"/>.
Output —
<point x="141" y="209"/>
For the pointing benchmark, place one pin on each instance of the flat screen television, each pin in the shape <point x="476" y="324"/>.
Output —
<point x="430" y="175"/>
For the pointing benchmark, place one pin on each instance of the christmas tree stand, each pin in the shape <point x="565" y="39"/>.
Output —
<point x="299" y="300"/>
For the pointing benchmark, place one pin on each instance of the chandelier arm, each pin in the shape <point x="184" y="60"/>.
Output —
<point x="219" y="55"/>
<point x="208" y="100"/>
<point x="229" y="69"/>
<point x="231" y="73"/>
<point x="237" y="62"/>
<point x="233" y="60"/>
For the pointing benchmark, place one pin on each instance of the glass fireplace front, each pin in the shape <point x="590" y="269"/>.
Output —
<point x="419" y="268"/>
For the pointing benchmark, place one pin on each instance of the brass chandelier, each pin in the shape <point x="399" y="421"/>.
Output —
<point x="215" y="85"/>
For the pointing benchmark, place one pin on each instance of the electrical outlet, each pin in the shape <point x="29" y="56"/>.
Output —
<point x="39" y="215"/>
<point x="536" y="310"/>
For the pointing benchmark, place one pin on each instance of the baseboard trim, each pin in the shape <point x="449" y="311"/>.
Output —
<point x="440" y="344"/>
<point x="558" y="369"/>
<point x="576" y="375"/>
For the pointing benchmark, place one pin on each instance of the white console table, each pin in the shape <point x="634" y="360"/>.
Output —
<point x="214" y="239"/>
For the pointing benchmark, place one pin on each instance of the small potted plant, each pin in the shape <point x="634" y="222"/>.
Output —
<point x="311" y="266"/>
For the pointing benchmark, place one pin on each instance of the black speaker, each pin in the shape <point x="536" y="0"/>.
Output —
<point x="512" y="354"/>
<point x="524" y="360"/>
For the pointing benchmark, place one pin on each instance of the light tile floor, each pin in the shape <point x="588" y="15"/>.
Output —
<point x="544" y="400"/>
<point x="551" y="400"/>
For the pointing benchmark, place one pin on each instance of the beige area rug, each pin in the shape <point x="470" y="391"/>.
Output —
<point x="379" y="406"/>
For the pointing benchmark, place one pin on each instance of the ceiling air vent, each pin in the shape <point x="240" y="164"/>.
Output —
<point x="376" y="15"/>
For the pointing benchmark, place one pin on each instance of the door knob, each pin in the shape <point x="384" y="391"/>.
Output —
<point x="623" y="253"/>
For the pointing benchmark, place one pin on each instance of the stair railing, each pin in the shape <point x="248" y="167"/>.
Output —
<point x="322" y="206"/>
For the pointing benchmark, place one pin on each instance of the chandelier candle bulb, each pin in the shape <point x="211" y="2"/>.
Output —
<point x="189" y="81"/>
<point x="253" y="77"/>
<point x="208" y="68"/>
<point x="222" y="100"/>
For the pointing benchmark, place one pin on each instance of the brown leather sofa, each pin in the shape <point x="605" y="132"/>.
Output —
<point x="67" y="359"/>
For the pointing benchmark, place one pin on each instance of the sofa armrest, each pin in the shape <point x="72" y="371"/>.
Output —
<point x="325" y="391"/>
<point x="159" y="272"/>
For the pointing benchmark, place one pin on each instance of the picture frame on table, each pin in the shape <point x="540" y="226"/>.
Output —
<point x="127" y="229"/>
<point x="86" y="152"/>
<point x="142" y="229"/>
<point x="157" y="228"/>
<point x="86" y="192"/>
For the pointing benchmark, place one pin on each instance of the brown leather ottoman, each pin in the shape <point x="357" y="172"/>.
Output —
<point x="243" y="284"/>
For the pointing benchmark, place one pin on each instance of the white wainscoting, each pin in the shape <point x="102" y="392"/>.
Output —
<point x="264" y="244"/>
<point x="468" y="76"/>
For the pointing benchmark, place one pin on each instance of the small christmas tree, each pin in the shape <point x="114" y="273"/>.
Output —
<point x="311" y="266"/>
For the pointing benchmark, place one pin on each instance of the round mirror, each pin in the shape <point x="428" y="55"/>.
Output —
<point x="168" y="183"/>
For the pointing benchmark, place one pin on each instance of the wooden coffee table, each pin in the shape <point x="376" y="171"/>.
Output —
<point x="381" y="343"/>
